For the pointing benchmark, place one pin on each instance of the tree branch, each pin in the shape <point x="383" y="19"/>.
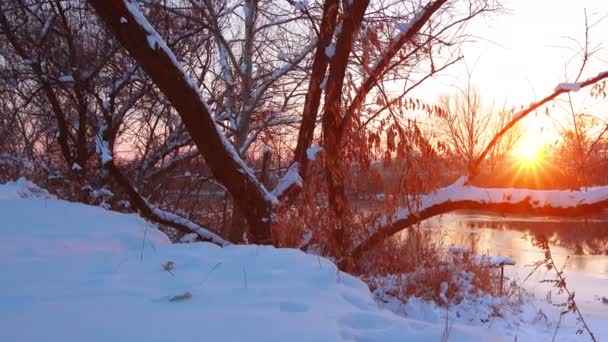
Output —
<point x="144" y="44"/>
<point x="562" y="88"/>
<point x="458" y="196"/>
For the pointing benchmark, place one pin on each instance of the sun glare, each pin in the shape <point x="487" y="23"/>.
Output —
<point x="529" y="155"/>
<point x="529" y="152"/>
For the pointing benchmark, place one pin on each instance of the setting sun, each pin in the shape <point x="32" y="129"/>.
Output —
<point x="528" y="151"/>
<point x="529" y="154"/>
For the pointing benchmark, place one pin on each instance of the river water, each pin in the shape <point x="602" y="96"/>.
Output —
<point x="582" y="245"/>
<point x="585" y="243"/>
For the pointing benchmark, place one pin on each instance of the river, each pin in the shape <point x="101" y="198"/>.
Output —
<point x="582" y="245"/>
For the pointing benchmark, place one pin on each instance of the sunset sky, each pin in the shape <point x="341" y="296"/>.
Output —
<point x="521" y="55"/>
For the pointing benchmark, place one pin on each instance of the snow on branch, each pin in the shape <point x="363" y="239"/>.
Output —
<point x="225" y="68"/>
<point x="171" y="163"/>
<point x="290" y="178"/>
<point x="460" y="196"/>
<point x="278" y="73"/>
<point x="153" y="55"/>
<point x="269" y="197"/>
<point x="569" y="87"/>
<point x="330" y="49"/>
<point x="458" y="191"/>
<point x="501" y="260"/>
<point x="155" y="41"/>
<point x="13" y="160"/>
<point x="312" y="151"/>
<point x="203" y="233"/>
<point x="45" y="28"/>
<point x="294" y="62"/>
<point x="157" y="215"/>
<point x="174" y="141"/>
<point x="102" y="146"/>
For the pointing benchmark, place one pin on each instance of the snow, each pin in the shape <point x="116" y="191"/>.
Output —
<point x="323" y="84"/>
<point x="289" y="65"/>
<point x="73" y="272"/>
<point x="492" y="260"/>
<point x="189" y="237"/>
<point x="330" y="51"/>
<point x="22" y="188"/>
<point x="443" y="290"/>
<point x="522" y="315"/>
<point x="243" y="67"/>
<point x="45" y="28"/>
<point x="66" y="78"/>
<point x="175" y="140"/>
<point x="403" y="26"/>
<point x="248" y="9"/>
<point x="152" y="42"/>
<point x="230" y="149"/>
<point x="156" y="42"/>
<point x="102" y="147"/>
<point x="291" y="177"/>
<point x="568" y="87"/>
<point x="226" y="75"/>
<point x="312" y="151"/>
<point x="501" y="260"/>
<point x="301" y="5"/>
<point x="203" y="233"/>
<point x="532" y="321"/>
<point x="278" y="72"/>
<point x="458" y="191"/>
<point x="459" y="250"/>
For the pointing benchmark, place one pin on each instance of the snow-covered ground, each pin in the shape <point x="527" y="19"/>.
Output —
<point x="72" y="272"/>
<point x="522" y="317"/>
<point x="587" y="275"/>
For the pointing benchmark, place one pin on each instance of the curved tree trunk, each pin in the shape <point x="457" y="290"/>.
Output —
<point x="502" y="201"/>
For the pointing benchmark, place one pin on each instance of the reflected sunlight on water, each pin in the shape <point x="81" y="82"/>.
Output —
<point x="584" y="244"/>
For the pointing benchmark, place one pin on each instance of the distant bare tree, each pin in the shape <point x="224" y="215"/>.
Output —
<point x="470" y="123"/>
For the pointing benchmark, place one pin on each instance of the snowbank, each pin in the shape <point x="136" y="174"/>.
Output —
<point x="523" y="317"/>
<point x="73" y="272"/>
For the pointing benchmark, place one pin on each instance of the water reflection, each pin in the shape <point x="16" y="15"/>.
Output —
<point x="583" y="243"/>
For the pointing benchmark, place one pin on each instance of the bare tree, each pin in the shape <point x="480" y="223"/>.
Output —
<point x="207" y="83"/>
<point x="469" y="124"/>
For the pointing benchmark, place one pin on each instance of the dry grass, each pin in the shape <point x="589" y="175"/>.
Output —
<point x="418" y="263"/>
<point x="415" y="263"/>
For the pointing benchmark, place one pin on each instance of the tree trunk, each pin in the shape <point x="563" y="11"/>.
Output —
<point x="149" y="50"/>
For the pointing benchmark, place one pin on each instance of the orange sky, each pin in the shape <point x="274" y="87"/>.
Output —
<point x="521" y="55"/>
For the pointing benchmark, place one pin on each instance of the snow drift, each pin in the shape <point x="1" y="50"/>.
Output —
<point x="73" y="272"/>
